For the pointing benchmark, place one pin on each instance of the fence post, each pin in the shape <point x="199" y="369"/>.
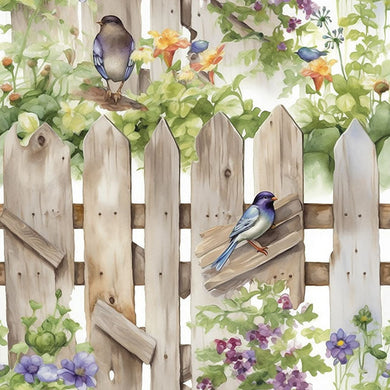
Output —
<point x="108" y="255"/>
<point x="354" y="265"/>
<point x="278" y="167"/>
<point x="217" y="195"/>
<point x="162" y="256"/>
<point x="38" y="191"/>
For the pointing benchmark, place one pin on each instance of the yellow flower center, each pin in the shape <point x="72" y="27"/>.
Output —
<point x="340" y="343"/>
<point x="167" y="38"/>
<point x="363" y="318"/>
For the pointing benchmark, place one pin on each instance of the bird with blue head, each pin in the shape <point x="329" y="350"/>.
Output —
<point x="256" y="220"/>
<point x="308" y="54"/>
<point x="112" y="50"/>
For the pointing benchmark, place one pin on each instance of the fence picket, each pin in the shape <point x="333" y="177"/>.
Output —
<point x="37" y="190"/>
<point x="162" y="257"/>
<point x="217" y="194"/>
<point x="354" y="265"/>
<point x="278" y="167"/>
<point x="108" y="254"/>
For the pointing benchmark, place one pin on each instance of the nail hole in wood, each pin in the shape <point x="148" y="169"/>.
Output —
<point x="345" y="214"/>
<point x="33" y="214"/>
<point x="275" y="276"/>
<point x="364" y="273"/>
<point x="19" y="274"/>
<point x="356" y="251"/>
<point x="228" y="172"/>
<point x="63" y="157"/>
<point x="207" y="215"/>
<point x="171" y="11"/>
<point x="112" y="300"/>
<point x="216" y="215"/>
<point x="165" y="356"/>
<point x="101" y="273"/>
<point x="166" y="213"/>
<point x="282" y="273"/>
<point x="199" y="14"/>
<point x="99" y="214"/>
<point x="160" y="274"/>
<point x="348" y="273"/>
<point x="359" y="215"/>
<point x="41" y="140"/>
<point x="290" y="276"/>
<point x="115" y="212"/>
<point x="38" y="273"/>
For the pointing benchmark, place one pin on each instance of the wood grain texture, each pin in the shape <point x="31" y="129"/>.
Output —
<point x="162" y="255"/>
<point x="31" y="238"/>
<point x="185" y="362"/>
<point x="217" y="193"/>
<point x="124" y="332"/>
<point x="355" y="265"/>
<point x="163" y="14"/>
<point x="130" y="14"/>
<point x="37" y="190"/>
<point x="108" y="252"/>
<point x="278" y="167"/>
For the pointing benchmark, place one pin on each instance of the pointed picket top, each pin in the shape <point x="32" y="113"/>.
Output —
<point x="354" y="266"/>
<point x="162" y="255"/>
<point x="37" y="191"/>
<point x="278" y="167"/>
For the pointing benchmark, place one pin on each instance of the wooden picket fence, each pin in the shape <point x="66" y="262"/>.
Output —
<point x="38" y="218"/>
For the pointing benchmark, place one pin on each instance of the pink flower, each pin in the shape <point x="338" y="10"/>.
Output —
<point x="285" y="301"/>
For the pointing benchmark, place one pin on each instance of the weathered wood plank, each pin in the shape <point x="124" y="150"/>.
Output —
<point x="124" y="332"/>
<point x="108" y="252"/>
<point x="162" y="255"/>
<point x="31" y="238"/>
<point x="278" y="167"/>
<point x="217" y="199"/>
<point x="38" y="190"/>
<point x="185" y="362"/>
<point x="355" y="265"/>
<point x="130" y="14"/>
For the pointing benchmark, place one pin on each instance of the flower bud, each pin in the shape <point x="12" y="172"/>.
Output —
<point x="6" y="87"/>
<point x="381" y="86"/>
<point x="47" y="67"/>
<point x="258" y="6"/>
<point x="14" y="97"/>
<point x="32" y="63"/>
<point x="7" y="61"/>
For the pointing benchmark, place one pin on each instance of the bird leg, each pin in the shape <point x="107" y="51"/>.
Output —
<point x="262" y="249"/>
<point x="108" y="93"/>
<point x="117" y="95"/>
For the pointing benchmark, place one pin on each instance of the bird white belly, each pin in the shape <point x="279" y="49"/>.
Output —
<point x="115" y="65"/>
<point x="259" y="228"/>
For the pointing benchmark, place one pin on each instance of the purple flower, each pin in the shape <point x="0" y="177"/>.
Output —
<point x="308" y="6"/>
<point x="205" y="384"/>
<point x="221" y="345"/>
<point x="386" y="373"/>
<point x="292" y="25"/>
<point x="287" y="381"/>
<point x="32" y="367"/>
<point x="277" y="2"/>
<point x="285" y="301"/>
<point x="233" y="343"/>
<point x="282" y="46"/>
<point x="258" y="6"/>
<point x="79" y="372"/>
<point x="263" y="334"/>
<point x="340" y="345"/>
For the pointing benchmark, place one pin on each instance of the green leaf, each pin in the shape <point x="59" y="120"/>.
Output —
<point x="345" y="102"/>
<point x="216" y="373"/>
<point x="28" y="3"/>
<point x="377" y="352"/>
<point x="71" y="325"/>
<point x="349" y="20"/>
<point x="20" y="348"/>
<point x="209" y="354"/>
<point x="314" y="365"/>
<point x="28" y="321"/>
<point x="317" y="334"/>
<point x="237" y="80"/>
<point x="35" y="305"/>
<point x="84" y="347"/>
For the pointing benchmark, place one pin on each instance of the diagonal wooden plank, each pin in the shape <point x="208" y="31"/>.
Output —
<point x="217" y="194"/>
<point x="37" y="190"/>
<point x="162" y="255"/>
<point x="278" y="167"/>
<point x="108" y="252"/>
<point x="355" y="265"/>
<point x="31" y="238"/>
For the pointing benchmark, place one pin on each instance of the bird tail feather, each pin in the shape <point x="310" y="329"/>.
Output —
<point x="223" y="258"/>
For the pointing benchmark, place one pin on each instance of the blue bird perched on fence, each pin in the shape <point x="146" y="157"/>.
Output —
<point x="112" y="50"/>
<point x="255" y="221"/>
<point x="307" y="54"/>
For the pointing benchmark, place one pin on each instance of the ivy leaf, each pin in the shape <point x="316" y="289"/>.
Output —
<point x="20" y="348"/>
<point x="208" y="354"/>
<point x="349" y="20"/>
<point x="215" y="373"/>
<point x="35" y="305"/>
<point x="317" y="334"/>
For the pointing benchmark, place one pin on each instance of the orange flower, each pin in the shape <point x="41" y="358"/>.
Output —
<point x="319" y="70"/>
<point x="6" y="87"/>
<point x="209" y="59"/>
<point x="167" y="43"/>
<point x="7" y="61"/>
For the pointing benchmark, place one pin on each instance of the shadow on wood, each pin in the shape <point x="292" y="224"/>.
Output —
<point x="285" y="236"/>
<point x="97" y="95"/>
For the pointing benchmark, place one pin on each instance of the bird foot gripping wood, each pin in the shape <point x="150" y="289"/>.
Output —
<point x="262" y="249"/>
<point x="107" y="95"/>
<point x="116" y="97"/>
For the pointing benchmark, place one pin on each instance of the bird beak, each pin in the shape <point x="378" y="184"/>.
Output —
<point x="274" y="198"/>
<point x="100" y="23"/>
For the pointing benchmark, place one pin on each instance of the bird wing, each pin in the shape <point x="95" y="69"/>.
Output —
<point x="130" y="64"/>
<point x="247" y="220"/>
<point x="98" y="57"/>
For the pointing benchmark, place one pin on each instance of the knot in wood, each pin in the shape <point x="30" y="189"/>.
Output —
<point x="228" y="172"/>
<point x="41" y="140"/>
<point x="112" y="300"/>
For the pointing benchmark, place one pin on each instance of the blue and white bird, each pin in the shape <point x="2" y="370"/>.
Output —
<point x="112" y="50"/>
<point x="256" y="220"/>
<point x="308" y="54"/>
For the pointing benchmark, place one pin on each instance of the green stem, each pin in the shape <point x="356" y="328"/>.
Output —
<point x="338" y="50"/>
